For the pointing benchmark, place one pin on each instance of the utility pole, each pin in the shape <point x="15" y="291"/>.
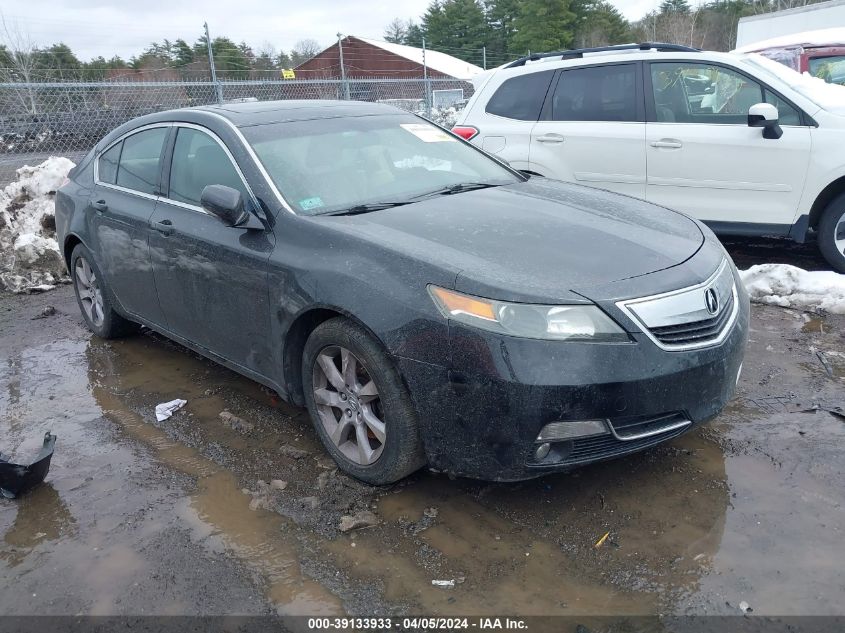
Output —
<point x="217" y="87"/>
<point x="342" y="67"/>
<point x="484" y="57"/>
<point x="426" y="81"/>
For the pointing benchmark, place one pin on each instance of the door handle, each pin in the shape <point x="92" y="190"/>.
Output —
<point x="100" y="206"/>
<point x="550" y="138"/>
<point x="668" y="143"/>
<point x="164" y="226"/>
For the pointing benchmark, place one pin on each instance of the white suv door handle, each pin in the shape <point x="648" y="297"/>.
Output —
<point x="550" y="138"/>
<point x="668" y="143"/>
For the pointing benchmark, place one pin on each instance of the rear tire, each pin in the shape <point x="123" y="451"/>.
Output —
<point x="831" y="231"/>
<point x="359" y="404"/>
<point x="95" y="299"/>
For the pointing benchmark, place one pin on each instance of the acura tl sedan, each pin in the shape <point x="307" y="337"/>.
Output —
<point x="425" y="302"/>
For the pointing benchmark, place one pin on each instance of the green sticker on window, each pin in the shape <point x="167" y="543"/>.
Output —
<point x="311" y="203"/>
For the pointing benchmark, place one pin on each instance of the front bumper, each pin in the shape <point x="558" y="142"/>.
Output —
<point x="481" y="417"/>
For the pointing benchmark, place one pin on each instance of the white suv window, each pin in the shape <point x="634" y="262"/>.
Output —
<point x="521" y="97"/>
<point x="703" y="93"/>
<point x="597" y="93"/>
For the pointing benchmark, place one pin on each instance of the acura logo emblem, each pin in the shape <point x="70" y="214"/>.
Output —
<point x="711" y="300"/>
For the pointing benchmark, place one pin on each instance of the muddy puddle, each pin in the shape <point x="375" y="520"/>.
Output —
<point x="171" y="517"/>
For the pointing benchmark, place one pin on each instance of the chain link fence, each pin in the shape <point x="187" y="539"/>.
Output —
<point x="38" y="120"/>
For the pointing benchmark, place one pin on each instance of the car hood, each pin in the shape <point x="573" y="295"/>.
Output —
<point x="538" y="240"/>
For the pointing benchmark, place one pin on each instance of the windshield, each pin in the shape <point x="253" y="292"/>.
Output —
<point x="824" y="95"/>
<point x="326" y="165"/>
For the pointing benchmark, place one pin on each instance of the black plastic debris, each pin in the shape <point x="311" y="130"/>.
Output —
<point x="17" y="478"/>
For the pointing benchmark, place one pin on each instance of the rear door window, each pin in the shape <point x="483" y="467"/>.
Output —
<point x="107" y="167"/>
<point x="140" y="160"/>
<point x="598" y="93"/>
<point x="199" y="161"/>
<point x="521" y="97"/>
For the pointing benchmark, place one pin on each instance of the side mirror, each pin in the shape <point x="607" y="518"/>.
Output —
<point x="226" y="203"/>
<point x="765" y="115"/>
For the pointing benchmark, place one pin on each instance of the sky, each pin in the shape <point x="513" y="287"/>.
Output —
<point x="122" y="27"/>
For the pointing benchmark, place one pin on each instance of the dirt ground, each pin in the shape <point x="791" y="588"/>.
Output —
<point x="140" y="517"/>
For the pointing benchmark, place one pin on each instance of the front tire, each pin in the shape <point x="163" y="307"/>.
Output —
<point x="94" y="298"/>
<point x="359" y="404"/>
<point x="831" y="230"/>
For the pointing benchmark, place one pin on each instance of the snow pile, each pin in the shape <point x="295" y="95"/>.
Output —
<point x="29" y="254"/>
<point x="444" y="117"/>
<point x="792" y="287"/>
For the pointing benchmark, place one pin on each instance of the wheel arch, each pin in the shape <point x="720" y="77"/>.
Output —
<point x="294" y="344"/>
<point x="71" y="241"/>
<point x="828" y="194"/>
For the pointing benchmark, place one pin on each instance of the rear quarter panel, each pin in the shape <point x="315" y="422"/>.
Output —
<point x="507" y="139"/>
<point x="71" y="202"/>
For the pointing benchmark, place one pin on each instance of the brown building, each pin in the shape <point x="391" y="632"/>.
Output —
<point x="373" y="59"/>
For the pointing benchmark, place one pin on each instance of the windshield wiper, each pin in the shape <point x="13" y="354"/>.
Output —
<point x="366" y="208"/>
<point x="458" y="188"/>
<point x="387" y="204"/>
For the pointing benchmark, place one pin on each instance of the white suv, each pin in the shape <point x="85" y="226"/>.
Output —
<point x="741" y="142"/>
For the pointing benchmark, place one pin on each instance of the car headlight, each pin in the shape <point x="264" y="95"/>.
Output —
<point x="560" y="323"/>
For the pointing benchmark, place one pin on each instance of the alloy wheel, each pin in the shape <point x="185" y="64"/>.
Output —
<point x="89" y="291"/>
<point x="348" y="404"/>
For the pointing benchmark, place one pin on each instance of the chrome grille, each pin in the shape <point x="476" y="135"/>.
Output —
<point x="688" y="318"/>
<point x="695" y="331"/>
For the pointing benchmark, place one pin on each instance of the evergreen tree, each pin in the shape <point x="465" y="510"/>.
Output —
<point x="229" y="58"/>
<point x="501" y="26"/>
<point x="413" y="34"/>
<point x="182" y="53"/>
<point x="599" y="23"/>
<point x="543" y="25"/>
<point x="674" y="6"/>
<point x="456" y="27"/>
<point x="57" y="57"/>
<point x="283" y="60"/>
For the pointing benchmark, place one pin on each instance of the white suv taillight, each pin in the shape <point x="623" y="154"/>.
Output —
<point x="466" y="132"/>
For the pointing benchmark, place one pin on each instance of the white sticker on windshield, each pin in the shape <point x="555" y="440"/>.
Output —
<point x="427" y="133"/>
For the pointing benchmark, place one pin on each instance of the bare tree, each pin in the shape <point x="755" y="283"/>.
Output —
<point x="20" y="62"/>
<point x="674" y="27"/>
<point x="304" y="50"/>
<point x="396" y="31"/>
<point x="268" y="49"/>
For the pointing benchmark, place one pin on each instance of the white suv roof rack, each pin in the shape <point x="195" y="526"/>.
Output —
<point x="580" y="52"/>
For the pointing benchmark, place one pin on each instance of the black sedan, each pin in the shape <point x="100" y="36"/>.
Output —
<point x="428" y="304"/>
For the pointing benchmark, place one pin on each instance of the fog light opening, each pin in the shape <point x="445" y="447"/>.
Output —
<point x="542" y="451"/>
<point x="547" y="453"/>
